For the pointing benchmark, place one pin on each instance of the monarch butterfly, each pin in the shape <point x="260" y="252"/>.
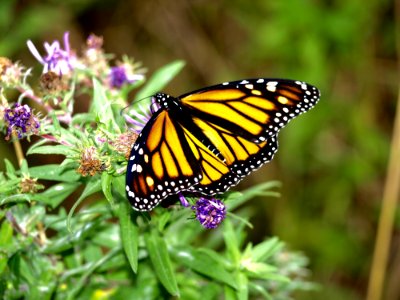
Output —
<point x="207" y="140"/>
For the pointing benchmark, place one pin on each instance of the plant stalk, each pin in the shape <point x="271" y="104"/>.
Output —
<point x="390" y="197"/>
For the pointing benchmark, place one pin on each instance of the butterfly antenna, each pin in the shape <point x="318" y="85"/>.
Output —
<point x="129" y="105"/>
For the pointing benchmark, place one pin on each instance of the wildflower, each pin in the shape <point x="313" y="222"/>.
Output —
<point x="51" y="82"/>
<point x="120" y="76"/>
<point x="20" y="120"/>
<point x="141" y="115"/>
<point x="94" y="57"/>
<point x="11" y="73"/>
<point x="94" y="42"/>
<point x="5" y="63"/>
<point x="124" y="142"/>
<point x="89" y="162"/>
<point x="58" y="60"/>
<point x="183" y="200"/>
<point x="29" y="185"/>
<point x="209" y="212"/>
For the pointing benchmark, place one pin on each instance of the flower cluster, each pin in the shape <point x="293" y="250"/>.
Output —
<point x="89" y="162"/>
<point x="64" y="71"/>
<point x="209" y="212"/>
<point x="20" y="121"/>
<point x="63" y="61"/>
<point x="124" y="142"/>
<point x="58" y="60"/>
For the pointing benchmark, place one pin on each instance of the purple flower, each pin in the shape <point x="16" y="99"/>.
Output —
<point x="57" y="60"/>
<point x="20" y="120"/>
<point x="141" y="116"/>
<point x="120" y="76"/>
<point x="183" y="200"/>
<point x="209" y="212"/>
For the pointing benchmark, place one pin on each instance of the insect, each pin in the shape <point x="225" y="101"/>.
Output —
<point x="208" y="140"/>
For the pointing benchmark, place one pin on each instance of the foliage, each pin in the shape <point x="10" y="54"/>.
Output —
<point x="100" y="248"/>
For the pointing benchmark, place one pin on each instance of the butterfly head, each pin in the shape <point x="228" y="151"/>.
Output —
<point x="165" y="101"/>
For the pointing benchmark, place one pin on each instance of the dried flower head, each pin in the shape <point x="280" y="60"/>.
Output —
<point x="94" y="57"/>
<point x="10" y="73"/>
<point x="58" y="60"/>
<point x="209" y="212"/>
<point x="51" y="82"/>
<point x="29" y="185"/>
<point x="124" y="142"/>
<point x="20" y="121"/>
<point x="89" y="162"/>
<point x="94" y="42"/>
<point x="5" y="63"/>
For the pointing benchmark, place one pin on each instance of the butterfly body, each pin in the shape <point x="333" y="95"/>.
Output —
<point x="208" y="140"/>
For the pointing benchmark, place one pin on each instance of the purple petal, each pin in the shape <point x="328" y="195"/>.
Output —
<point x="34" y="51"/>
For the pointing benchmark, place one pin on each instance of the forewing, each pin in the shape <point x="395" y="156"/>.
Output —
<point x="161" y="163"/>
<point x="254" y="109"/>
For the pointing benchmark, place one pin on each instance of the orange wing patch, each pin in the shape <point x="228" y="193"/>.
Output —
<point x="212" y="167"/>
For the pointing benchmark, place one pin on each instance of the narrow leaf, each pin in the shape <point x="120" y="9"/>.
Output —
<point x="106" y="180"/>
<point x="161" y="262"/>
<point x="92" y="187"/>
<point x="160" y="79"/>
<point x="265" y="249"/>
<point x="56" y="194"/>
<point x="129" y="233"/>
<point x="51" y="149"/>
<point x="243" y="290"/>
<point x="231" y="242"/>
<point x="54" y="172"/>
<point x="200" y="261"/>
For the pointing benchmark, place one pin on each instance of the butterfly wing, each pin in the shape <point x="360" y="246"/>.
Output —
<point x="215" y="137"/>
<point x="254" y="109"/>
<point x="242" y="119"/>
<point x="161" y="163"/>
<point x="247" y="157"/>
<point x="168" y="158"/>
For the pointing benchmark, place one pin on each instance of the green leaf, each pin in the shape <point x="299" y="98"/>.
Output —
<point x="24" y="167"/>
<point x="260" y="289"/>
<point x="3" y="264"/>
<point x="51" y="149"/>
<point x="129" y="228"/>
<point x="129" y="233"/>
<point x="200" y="261"/>
<point x="261" y="189"/>
<point x="56" y="123"/>
<point x="72" y="294"/>
<point x="231" y="242"/>
<point x="67" y="241"/>
<point x="106" y="180"/>
<point x="6" y="232"/>
<point x="16" y="198"/>
<point x="160" y="79"/>
<point x="93" y="186"/>
<point x="161" y="261"/>
<point x="243" y="290"/>
<point x="82" y="118"/>
<point x="101" y="106"/>
<point x="266" y="249"/>
<point x="10" y="170"/>
<point x="56" y="194"/>
<point x="54" y="172"/>
<point x="10" y="185"/>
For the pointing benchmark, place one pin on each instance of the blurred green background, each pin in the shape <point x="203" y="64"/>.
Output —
<point x="331" y="162"/>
